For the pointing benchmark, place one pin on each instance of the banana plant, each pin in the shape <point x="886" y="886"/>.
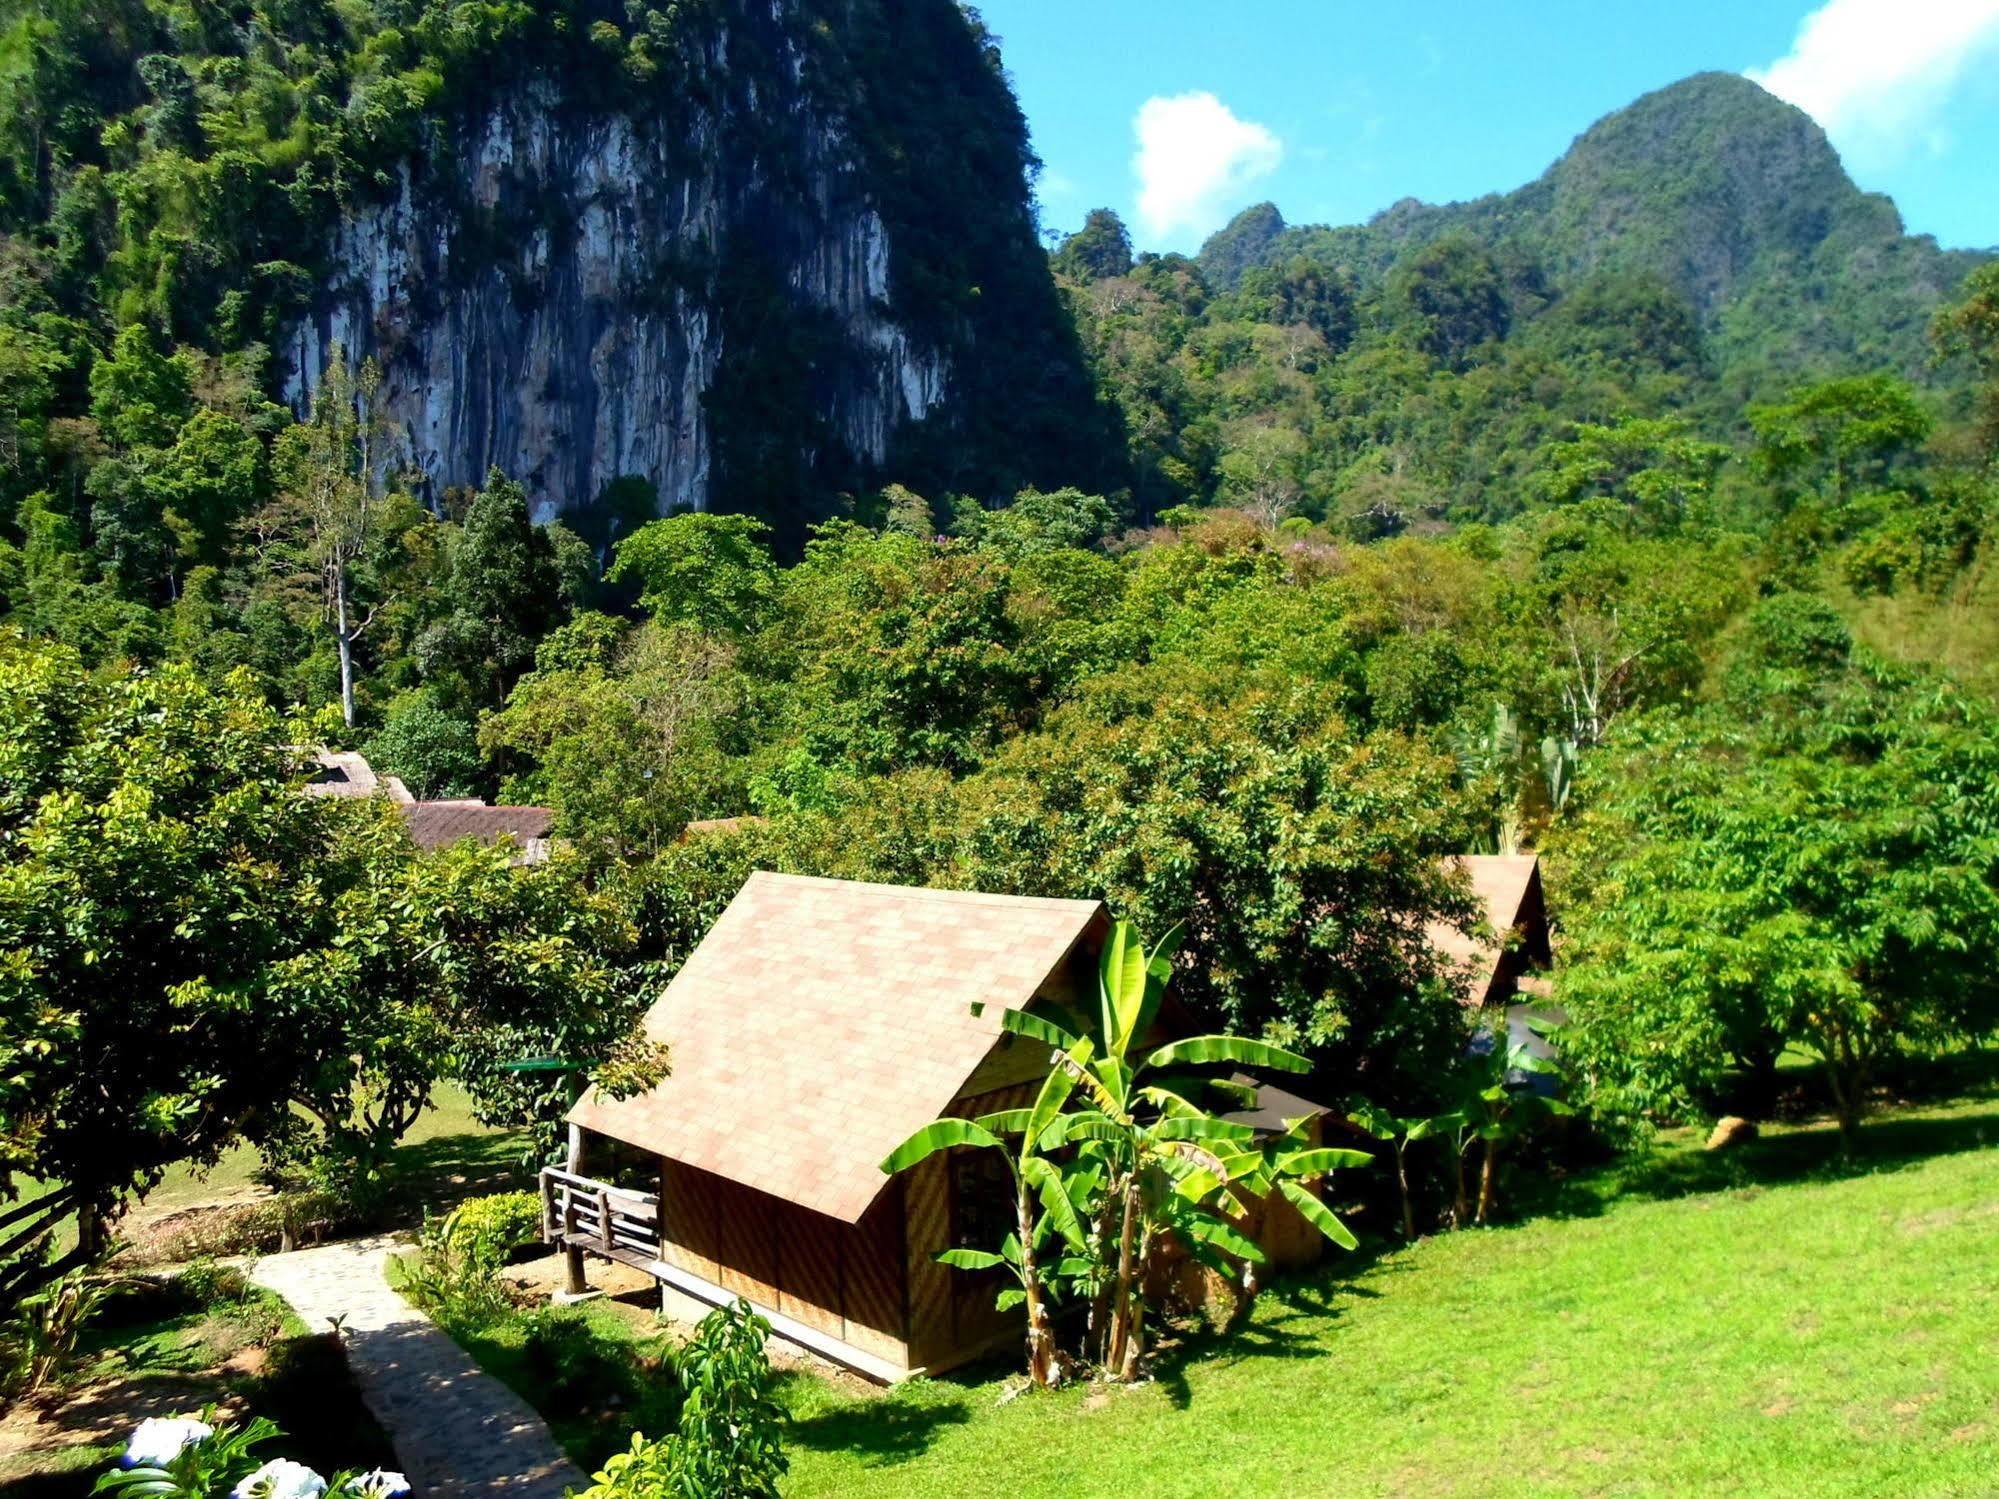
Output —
<point x="1285" y="1166"/>
<point x="1018" y="1135"/>
<point x="1503" y="1104"/>
<point x="1558" y="770"/>
<point x="1399" y="1133"/>
<point x="1135" y="1109"/>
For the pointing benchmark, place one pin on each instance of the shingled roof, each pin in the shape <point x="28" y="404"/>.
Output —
<point x="1508" y="890"/>
<point x="435" y="825"/>
<point x="348" y="773"/>
<point x="821" y="1022"/>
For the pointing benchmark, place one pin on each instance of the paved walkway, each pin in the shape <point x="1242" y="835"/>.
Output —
<point x="458" y="1431"/>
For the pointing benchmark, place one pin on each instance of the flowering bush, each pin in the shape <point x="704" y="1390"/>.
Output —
<point x="188" y="1457"/>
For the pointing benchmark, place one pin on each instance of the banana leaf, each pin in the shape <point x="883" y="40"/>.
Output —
<point x="939" y="1134"/>
<point x="970" y="1259"/>
<point x="1317" y="1213"/>
<point x="1040" y="1174"/>
<point x="1210" y="1228"/>
<point x="1319" y="1162"/>
<point x="1055" y="1091"/>
<point x="1203" y="1050"/>
<point x="1036" y="1028"/>
<point x="1203" y="1127"/>
<point x="1121" y="985"/>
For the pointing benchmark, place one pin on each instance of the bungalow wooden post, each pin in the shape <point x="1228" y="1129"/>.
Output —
<point x="573" y="1280"/>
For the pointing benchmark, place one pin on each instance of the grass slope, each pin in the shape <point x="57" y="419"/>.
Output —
<point x="1835" y="1331"/>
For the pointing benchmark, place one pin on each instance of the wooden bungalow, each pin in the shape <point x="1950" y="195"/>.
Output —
<point x="817" y="1026"/>
<point x="1498" y="968"/>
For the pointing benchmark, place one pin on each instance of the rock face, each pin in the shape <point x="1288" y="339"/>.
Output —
<point x="557" y="290"/>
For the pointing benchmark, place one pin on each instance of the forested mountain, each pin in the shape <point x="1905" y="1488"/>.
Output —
<point x="700" y="250"/>
<point x="1691" y="254"/>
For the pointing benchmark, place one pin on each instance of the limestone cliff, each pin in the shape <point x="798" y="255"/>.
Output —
<point x="737" y="290"/>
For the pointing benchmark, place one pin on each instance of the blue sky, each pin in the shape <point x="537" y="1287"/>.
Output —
<point x="1334" y="109"/>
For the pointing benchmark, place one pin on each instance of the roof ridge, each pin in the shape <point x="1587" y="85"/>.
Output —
<point x="931" y="892"/>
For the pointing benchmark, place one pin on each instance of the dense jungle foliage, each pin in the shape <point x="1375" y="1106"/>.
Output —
<point x="1422" y="538"/>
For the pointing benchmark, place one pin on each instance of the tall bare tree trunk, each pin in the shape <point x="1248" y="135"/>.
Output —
<point x="1460" y="1199"/>
<point x="344" y="639"/>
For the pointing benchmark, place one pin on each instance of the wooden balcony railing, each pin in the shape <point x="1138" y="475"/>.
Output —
<point x="579" y="1213"/>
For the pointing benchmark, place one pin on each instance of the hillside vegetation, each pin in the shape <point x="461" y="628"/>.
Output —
<point x="1693" y="253"/>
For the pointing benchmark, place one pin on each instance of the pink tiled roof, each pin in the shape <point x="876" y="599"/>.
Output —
<point x="1500" y="884"/>
<point x="821" y="1022"/>
<point x="436" y="825"/>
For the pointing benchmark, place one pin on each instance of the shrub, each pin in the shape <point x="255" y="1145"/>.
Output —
<point x="578" y="1371"/>
<point x="727" y="1446"/>
<point x="261" y="1227"/>
<point x="489" y="1229"/>
<point x="455" y="1269"/>
<point x="434" y="752"/>
<point x="185" y="1457"/>
<point x="39" y="1348"/>
<point x="206" y="1283"/>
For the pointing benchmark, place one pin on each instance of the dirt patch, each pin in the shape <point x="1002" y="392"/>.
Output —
<point x="541" y="1277"/>
<point x="106" y="1410"/>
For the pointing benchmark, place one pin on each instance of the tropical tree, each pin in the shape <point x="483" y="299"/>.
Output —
<point x="1504" y="1097"/>
<point x="330" y="501"/>
<point x="445" y="965"/>
<point x="1151" y="1159"/>
<point x="714" y="572"/>
<point x="501" y="593"/>
<point x="1809" y="862"/>
<point x="1832" y="438"/>
<point x="1970" y="326"/>
<point x="157" y="870"/>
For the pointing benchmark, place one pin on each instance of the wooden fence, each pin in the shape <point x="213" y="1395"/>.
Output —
<point x="585" y="1214"/>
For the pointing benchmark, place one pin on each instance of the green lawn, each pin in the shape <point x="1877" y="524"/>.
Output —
<point x="446" y="1147"/>
<point x="447" y="1155"/>
<point x="1766" y="1322"/>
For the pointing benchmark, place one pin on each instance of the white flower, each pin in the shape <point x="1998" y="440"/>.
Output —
<point x="380" y="1484"/>
<point x="158" y="1440"/>
<point x="281" y="1478"/>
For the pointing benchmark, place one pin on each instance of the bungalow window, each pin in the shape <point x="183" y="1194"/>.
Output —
<point x="983" y="1211"/>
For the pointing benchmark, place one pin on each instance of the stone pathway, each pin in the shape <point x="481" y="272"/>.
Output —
<point x="458" y="1431"/>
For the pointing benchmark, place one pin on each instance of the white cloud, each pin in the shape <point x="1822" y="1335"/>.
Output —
<point x="1196" y="160"/>
<point x="1875" y="73"/>
<point x="1054" y="186"/>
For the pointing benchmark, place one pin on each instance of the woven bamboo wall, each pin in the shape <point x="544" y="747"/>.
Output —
<point x="843" y="1280"/>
